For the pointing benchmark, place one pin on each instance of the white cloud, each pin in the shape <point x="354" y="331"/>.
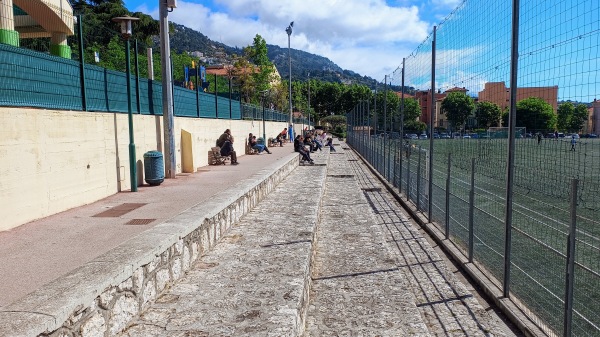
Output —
<point x="446" y="3"/>
<point x="368" y="37"/>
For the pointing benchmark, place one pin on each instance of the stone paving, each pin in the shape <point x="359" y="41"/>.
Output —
<point x="372" y="272"/>
<point x="255" y="281"/>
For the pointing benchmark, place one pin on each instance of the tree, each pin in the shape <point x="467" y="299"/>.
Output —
<point x="412" y="110"/>
<point x="243" y="71"/>
<point x="336" y="121"/>
<point x="534" y="113"/>
<point x="564" y="114"/>
<point x="488" y="114"/>
<point x="458" y="107"/>
<point x="257" y="54"/>
<point x="578" y="119"/>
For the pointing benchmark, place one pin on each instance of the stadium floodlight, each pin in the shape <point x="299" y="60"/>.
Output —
<point x="288" y="30"/>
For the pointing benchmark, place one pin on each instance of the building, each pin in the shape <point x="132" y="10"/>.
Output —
<point x="499" y="94"/>
<point x="593" y="125"/>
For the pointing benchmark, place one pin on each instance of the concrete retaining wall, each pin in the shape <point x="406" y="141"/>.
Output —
<point x="102" y="296"/>
<point x="56" y="160"/>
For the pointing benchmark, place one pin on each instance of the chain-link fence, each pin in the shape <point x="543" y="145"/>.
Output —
<point x="525" y="209"/>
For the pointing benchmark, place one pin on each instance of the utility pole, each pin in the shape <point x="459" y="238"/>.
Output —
<point x="167" y="93"/>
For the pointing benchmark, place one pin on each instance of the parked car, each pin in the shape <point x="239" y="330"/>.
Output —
<point x="444" y="135"/>
<point x="412" y="136"/>
<point x="423" y="136"/>
<point x="474" y="135"/>
<point x="466" y="136"/>
<point x="591" y="135"/>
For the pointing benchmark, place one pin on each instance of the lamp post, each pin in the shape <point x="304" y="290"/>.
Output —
<point x="288" y="30"/>
<point x="264" y="99"/>
<point x="309" y="126"/>
<point x="126" y="32"/>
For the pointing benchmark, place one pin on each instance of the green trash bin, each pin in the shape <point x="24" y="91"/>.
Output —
<point x="154" y="168"/>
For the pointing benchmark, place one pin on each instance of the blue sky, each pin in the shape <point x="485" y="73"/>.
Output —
<point x="369" y="37"/>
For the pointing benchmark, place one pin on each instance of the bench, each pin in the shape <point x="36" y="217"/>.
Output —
<point x="250" y="150"/>
<point x="215" y="158"/>
<point x="273" y="142"/>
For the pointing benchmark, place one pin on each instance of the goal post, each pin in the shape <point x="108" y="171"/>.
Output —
<point x="502" y="132"/>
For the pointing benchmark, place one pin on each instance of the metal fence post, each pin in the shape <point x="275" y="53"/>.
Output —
<point x="431" y="121"/>
<point x="447" y="222"/>
<point x="471" y="209"/>
<point x="408" y="149"/>
<point x="419" y="181"/>
<point x="137" y="78"/>
<point x="81" y="63"/>
<point x="570" y="272"/>
<point x="401" y="139"/>
<point x="510" y="165"/>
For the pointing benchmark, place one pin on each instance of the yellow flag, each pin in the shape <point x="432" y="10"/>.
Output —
<point x="193" y="64"/>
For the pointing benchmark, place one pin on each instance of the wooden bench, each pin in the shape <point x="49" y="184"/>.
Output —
<point x="215" y="158"/>
<point x="250" y="150"/>
<point x="273" y="142"/>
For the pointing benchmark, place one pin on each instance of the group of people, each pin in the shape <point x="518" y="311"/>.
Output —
<point x="305" y="145"/>
<point x="253" y="143"/>
<point x="311" y="143"/>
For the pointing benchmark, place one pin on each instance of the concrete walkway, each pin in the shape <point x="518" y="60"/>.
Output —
<point x="327" y="253"/>
<point x="41" y="251"/>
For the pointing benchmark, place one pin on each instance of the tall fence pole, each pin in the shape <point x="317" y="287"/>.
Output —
<point x="216" y="99"/>
<point x="431" y="121"/>
<point x="570" y="273"/>
<point x="401" y="139"/>
<point x="419" y="181"/>
<point x="369" y="147"/>
<point x="510" y="164"/>
<point x="471" y="210"/>
<point x="81" y="63"/>
<point x="385" y="131"/>
<point x="408" y="150"/>
<point x="447" y="220"/>
<point x="198" y="91"/>
<point x="137" y="77"/>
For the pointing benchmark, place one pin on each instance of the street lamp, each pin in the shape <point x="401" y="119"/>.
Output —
<point x="126" y="32"/>
<point x="288" y="30"/>
<point x="264" y="94"/>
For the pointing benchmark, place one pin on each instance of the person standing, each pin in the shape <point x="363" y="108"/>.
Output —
<point x="539" y="137"/>
<point x="573" y="143"/>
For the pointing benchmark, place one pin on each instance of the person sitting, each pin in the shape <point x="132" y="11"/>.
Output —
<point x="283" y="134"/>
<point x="259" y="147"/>
<point x="225" y="142"/>
<point x="279" y="139"/>
<point x="299" y="147"/>
<point x="318" y="143"/>
<point x="330" y="144"/>
<point x="309" y="142"/>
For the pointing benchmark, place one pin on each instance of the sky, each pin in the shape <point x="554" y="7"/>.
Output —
<point x="369" y="37"/>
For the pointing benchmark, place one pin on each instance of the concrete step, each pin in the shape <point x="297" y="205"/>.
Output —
<point x="373" y="261"/>
<point x="255" y="281"/>
<point x="358" y="288"/>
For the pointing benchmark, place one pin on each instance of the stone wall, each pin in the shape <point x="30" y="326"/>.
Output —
<point x="101" y="297"/>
